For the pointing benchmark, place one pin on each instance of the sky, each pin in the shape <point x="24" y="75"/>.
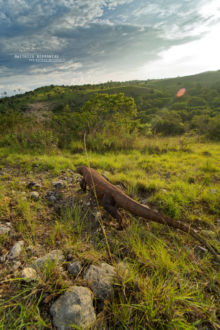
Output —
<point x="73" y="42"/>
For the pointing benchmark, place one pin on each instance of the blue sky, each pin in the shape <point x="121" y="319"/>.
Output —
<point x="45" y="42"/>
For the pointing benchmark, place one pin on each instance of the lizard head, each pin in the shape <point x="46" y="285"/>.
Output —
<point x="79" y="170"/>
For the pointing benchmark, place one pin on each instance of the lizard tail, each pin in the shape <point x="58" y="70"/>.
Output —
<point x="145" y="212"/>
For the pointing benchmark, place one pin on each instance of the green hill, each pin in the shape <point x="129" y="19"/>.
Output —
<point x="159" y="110"/>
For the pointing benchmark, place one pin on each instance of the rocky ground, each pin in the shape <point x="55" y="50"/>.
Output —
<point x="27" y="261"/>
<point x="62" y="257"/>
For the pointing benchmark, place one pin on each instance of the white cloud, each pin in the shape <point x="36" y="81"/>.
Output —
<point x="186" y="59"/>
<point x="38" y="43"/>
<point x="112" y="4"/>
<point x="210" y="8"/>
<point x="68" y="14"/>
<point x="108" y="39"/>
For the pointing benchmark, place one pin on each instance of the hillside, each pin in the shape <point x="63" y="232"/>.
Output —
<point x="158" y="108"/>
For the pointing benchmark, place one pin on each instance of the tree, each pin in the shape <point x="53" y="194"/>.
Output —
<point x="113" y="112"/>
<point x="200" y="122"/>
<point x="213" y="130"/>
<point x="168" y="123"/>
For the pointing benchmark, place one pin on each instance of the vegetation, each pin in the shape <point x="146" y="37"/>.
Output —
<point x="109" y="113"/>
<point x="164" y="280"/>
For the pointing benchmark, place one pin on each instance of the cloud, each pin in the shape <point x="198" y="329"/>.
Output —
<point x="96" y="39"/>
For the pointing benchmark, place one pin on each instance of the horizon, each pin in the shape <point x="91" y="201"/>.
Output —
<point x="83" y="42"/>
<point x="105" y="82"/>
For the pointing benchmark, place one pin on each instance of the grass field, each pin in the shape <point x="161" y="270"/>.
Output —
<point x="166" y="282"/>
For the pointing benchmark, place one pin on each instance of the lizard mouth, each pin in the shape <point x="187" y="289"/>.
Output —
<point x="78" y="170"/>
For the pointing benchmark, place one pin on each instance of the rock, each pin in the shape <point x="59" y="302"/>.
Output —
<point x="33" y="185"/>
<point x="59" y="184"/>
<point x="53" y="256"/>
<point x="16" y="250"/>
<point x="74" y="268"/>
<point x="51" y="196"/>
<point x="28" y="274"/>
<point x="5" y="228"/>
<point x="74" y="308"/>
<point x="35" y="195"/>
<point x="100" y="279"/>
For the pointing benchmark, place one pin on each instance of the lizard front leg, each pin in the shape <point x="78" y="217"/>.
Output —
<point x="108" y="203"/>
<point x="83" y="184"/>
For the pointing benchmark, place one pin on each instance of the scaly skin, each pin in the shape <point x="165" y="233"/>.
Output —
<point x="113" y="197"/>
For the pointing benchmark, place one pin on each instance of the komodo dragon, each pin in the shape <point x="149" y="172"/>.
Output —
<point x="112" y="197"/>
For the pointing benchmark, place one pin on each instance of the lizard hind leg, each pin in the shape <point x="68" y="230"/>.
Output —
<point x="108" y="203"/>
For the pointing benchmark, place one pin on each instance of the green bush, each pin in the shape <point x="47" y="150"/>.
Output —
<point x="169" y="123"/>
<point x="30" y="139"/>
<point x="213" y="129"/>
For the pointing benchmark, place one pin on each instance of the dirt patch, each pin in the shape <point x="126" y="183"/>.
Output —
<point x="41" y="111"/>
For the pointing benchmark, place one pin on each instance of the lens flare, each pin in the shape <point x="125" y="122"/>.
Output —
<point x="180" y="92"/>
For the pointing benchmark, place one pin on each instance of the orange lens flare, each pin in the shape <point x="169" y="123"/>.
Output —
<point x="180" y="92"/>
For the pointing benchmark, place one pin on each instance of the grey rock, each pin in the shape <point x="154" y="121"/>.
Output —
<point x="16" y="250"/>
<point x="73" y="308"/>
<point x="100" y="280"/>
<point x="74" y="268"/>
<point x="28" y="274"/>
<point x="5" y="228"/>
<point x="35" y="195"/>
<point x="51" y="196"/>
<point x="59" y="184"/>
<point x="53" y="256"/>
